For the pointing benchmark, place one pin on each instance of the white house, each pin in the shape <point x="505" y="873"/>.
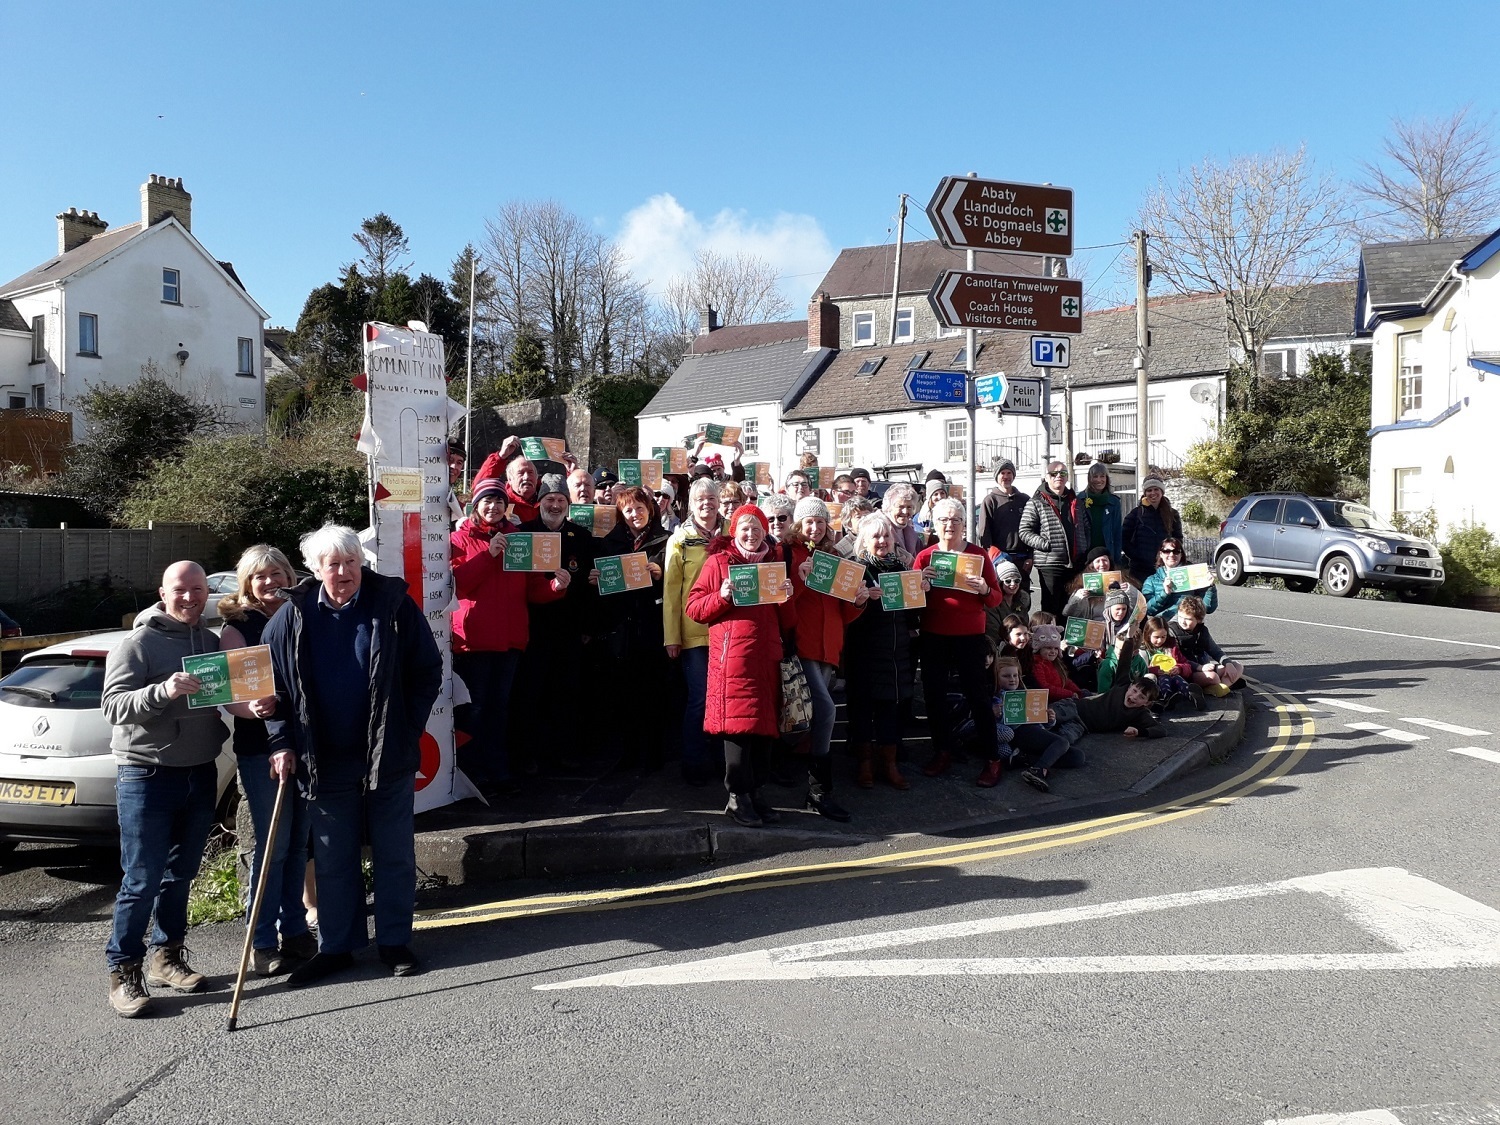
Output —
<point x="742" y="375"/>
<point x="1432" y="313"/>
<point x="117" y="299"/>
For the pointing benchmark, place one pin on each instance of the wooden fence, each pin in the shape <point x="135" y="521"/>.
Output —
<point x="36" y="438"/>
<point x="36" y="562"/>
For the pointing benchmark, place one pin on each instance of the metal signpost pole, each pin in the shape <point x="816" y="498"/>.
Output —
<point x="1142" y="365"/>
<point x="969" y="408"/>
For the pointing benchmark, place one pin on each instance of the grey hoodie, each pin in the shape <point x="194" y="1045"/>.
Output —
<point x="149" y="728"/>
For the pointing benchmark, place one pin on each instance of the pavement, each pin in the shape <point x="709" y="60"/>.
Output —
<point x="615" y="820"/>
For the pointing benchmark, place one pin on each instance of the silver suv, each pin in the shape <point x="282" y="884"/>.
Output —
<point x="1304" y="539"/>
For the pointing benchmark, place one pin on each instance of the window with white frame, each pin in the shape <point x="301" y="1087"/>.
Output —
<point x="750" y="434"/>
<point x="88" y="334"/>
<point x="246" y="356"/>
<point x="956" y="448"/>
<point x="38" y="339"/>
<point x="1409" y="495"/>
<point x="905" y="325"/>
<point x="1114" y="422"/>
<point x="171" y="286"/>
<point x="895" y="443"/>
<point x="1408" y="374"/>
<point x="843" y="447"/>
<point x="39" y="396"/>
<point x="864" y="329"/>
<point x="1280" y="363"/>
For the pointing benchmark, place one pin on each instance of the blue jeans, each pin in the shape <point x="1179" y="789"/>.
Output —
<point x="281" y="911"/>
<point x="344" y="814"/>
<point x="702" y="754"/>
<point x="489" y="676"/>
<point x="819" y="677"/>
<point x="165" y="814"/>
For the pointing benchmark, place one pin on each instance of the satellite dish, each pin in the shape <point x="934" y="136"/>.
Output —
<point x="1204" y="392"/>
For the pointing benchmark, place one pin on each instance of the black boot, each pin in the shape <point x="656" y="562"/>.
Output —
<point x="820" y="789"/>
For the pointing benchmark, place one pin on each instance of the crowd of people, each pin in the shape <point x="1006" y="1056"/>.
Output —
<point x="741" y="682"/>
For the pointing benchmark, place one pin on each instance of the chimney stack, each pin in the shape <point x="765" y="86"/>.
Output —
<point x="708" y="320"/>
<point x="75" y="227"/>
<point x="822" y="322"/>
<point x="161" y="196"/>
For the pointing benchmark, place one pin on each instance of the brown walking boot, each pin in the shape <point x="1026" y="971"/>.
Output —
<point x="865" y="775"/>
<point x="167" y="965"/>
<point x="893" y="776"/>
<point x="127" y="992"/>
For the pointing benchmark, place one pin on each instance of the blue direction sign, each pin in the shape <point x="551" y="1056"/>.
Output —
<point x="922" y="385"/>
<point x="989" y="390"/>
<point x="1051" y="351"/>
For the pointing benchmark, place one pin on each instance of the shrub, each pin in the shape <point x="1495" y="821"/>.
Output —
<point x="1216" y="461"/>
<point x="1194" y="513"/>
<point x="1471" y="561"/>
<point x="1423" y="525"/>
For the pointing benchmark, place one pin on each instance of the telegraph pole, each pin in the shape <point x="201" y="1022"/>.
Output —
<point x="896" y="279"/>
<point x="469" y="378"/>
<point x="1142" y="363"/>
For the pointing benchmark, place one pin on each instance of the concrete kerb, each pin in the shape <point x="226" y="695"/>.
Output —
<point x="482" y="855"/>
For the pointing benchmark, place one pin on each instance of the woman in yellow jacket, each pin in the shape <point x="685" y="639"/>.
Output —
<point x="686" y="639"/>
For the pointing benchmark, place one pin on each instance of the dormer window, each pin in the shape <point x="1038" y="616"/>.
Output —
<point x="864" y="329"/>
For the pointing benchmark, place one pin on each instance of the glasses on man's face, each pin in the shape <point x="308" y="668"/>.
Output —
<point x="1060" y="473"/>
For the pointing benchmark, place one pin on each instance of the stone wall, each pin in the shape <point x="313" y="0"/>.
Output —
<point x="594" y="441"/>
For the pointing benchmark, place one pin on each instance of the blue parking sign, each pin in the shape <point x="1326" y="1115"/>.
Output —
<point x="1050" y="351"/>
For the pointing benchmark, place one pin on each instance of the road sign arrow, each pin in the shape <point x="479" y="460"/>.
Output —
<point x="998" y="215"/>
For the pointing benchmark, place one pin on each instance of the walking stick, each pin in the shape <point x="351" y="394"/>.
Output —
<point x="255" y="904"/>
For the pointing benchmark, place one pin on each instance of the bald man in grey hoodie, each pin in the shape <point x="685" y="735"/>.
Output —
<point x="166" y="786"/>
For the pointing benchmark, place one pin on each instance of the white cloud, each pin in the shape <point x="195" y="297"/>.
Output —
<point x="661" y="236"/>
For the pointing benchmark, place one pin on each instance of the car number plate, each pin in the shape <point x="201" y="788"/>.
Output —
<point x="37" y="792"/>
<point x="1424" y="564"/>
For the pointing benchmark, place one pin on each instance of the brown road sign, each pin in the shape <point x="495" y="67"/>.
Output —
<point x="994" y="215"/>
<point x="1003" y="301"/>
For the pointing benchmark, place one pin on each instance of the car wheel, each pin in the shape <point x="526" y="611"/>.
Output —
<point x="1339" y="578"/>
<point x="1231" y="566"/>
<point x="1300" y="585"/>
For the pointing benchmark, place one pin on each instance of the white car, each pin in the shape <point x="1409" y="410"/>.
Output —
<point x="57" y="775"/>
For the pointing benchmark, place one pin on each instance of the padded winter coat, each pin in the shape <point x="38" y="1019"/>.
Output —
<point x="1142" y="535"/>
<point x="878" y="646"/>
<point x="1042" y="530"/>
<point x="821" y="618"/>
<point x="492" y="611"/>
<point x="744" y="649"/>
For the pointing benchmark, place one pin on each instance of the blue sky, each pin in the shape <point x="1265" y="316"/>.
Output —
<point x="785" y="129"/>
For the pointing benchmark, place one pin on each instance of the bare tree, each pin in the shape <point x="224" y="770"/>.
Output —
<point x="741" y="288"/>
<point x="1438" y="178"/>
<point x="1258" y="229"/>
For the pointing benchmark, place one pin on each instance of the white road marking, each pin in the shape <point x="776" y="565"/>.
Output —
<point x="1436" y="1113"/>
<point x="1377" y="632"/>
<point x="1428" y="925"/>
<point x="1448" y="728"/>
<point x="1389" y="732"/>
<point x="1345" y="704"/>
<point x="1364" y="1117"/>
<point x="1477" y="752"/>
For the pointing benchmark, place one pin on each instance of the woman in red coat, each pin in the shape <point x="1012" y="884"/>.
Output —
<point x="490" y="631"/>
<point x="743" y="703"/>
<point x="820" y="642"/>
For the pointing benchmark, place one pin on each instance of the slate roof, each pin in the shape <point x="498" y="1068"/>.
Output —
<point x="1399" y="274"/>
<point x="1189" y="338"/>
<point x="65" y="265"/>
<point x="762" y="373"/>
<point x="735" y="336"/>
<point x="1319" y="310"/>
<point x="11" y="319"/>
<point x="866" y="271"/>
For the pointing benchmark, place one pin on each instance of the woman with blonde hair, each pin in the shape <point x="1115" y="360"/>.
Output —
<point x="262" y="575"/>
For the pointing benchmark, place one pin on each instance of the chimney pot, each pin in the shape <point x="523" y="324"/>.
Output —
<point x="75" y="227"/>
<point x="161" y="197"/>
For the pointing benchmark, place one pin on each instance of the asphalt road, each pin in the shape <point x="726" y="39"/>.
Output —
<point x="1352" y="966"/>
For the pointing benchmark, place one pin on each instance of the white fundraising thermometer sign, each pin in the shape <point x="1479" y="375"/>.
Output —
<point x="408" y="416"/>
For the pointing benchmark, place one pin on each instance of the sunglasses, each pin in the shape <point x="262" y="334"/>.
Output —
<point x="1170" y="552"/>
<point x="778" y="519"/>
<point x="1064" y="473"/>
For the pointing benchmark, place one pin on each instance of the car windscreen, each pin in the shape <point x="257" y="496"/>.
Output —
<point x="74" y="683"/>
<point x="1340" y="513"/>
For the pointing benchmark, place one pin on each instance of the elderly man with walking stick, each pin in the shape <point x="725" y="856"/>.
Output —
<point x="357" y="672"/>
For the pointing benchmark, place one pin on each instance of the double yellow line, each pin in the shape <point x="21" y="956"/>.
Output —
<point x="1294" y="738"/>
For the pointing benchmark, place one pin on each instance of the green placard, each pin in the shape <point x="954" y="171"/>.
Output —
<point x="611" y="574"/>
<point x="212" y="670"/>
<point x="744" y="581"/>
<point x="901" y="589"/>
<point x="825" y="568"/>
<point x="1093" y="582"/>
<point x="1077" y="631"/>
